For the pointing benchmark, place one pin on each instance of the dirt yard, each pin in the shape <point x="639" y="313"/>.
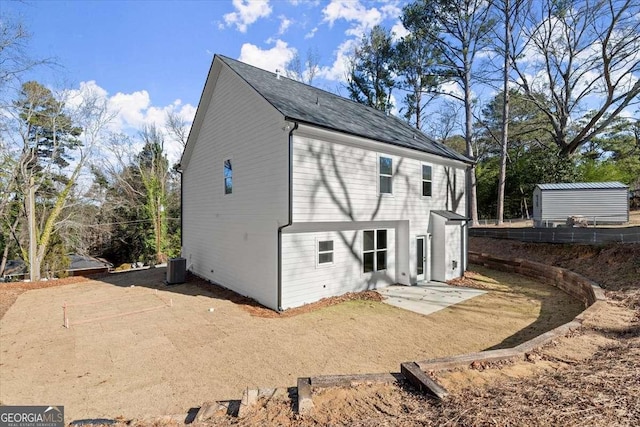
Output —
<point x="590" y="377"/>
<point x="173" y="353"/>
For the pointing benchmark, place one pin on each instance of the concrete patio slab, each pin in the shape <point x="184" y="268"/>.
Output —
<point x="427" y="297"/>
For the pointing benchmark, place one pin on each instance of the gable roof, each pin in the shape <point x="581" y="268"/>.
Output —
<point x="582" y="186"/>
<point x="302" y="103"/>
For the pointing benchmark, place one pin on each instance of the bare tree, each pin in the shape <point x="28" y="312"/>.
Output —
<point x="445" y="120"/>
<point x="177" y="127"/>
<point x="458" y="29"/>
<point x="15" y="58"/>
<point x="508" y="45"/>
<point x="586" y="56"/>
<point x="57" y="136"/>
<point x="306" y="71"/>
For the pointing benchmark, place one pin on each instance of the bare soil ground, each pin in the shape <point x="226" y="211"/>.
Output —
<point x="164" y="360"/>
<point x="590" y="377"/>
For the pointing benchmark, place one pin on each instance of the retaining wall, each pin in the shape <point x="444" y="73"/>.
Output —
<point x="560" y="234"/>
<point x="574" y="284"/>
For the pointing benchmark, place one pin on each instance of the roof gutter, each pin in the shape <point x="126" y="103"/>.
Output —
<point x="290" y="215"/>
<point x="466" y="160"/>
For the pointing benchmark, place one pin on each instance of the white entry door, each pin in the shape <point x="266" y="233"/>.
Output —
<point x="421" y="257"/>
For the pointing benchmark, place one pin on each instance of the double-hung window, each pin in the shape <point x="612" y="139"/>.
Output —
<point x="374" y="250"/>
<point x="325" y="252"/>
<point x="228" y="177"/>
<point x="426" y="180"/>
<point x="385" y="170"/>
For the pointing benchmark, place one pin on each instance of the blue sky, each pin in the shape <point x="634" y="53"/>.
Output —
<point x="152" y="56"/>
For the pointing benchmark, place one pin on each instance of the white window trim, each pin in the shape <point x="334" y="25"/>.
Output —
<point x="422" y="180"/>
<point x="375" y="251"/>
<point x="318" y="252"/>
<point x="378" y="174"/>
<point x="224" y="178"/>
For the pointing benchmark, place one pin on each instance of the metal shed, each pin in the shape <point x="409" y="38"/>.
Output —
<point x="598" y="202"/>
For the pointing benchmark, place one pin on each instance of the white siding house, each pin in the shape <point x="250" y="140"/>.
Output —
<point x="292" y="194"/>
<point x="598" y="202"/>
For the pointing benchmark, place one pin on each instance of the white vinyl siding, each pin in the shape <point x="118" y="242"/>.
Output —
<point x="303" y="284"/>
<point x="333" y="182"/>
<point x="232" y="241"/>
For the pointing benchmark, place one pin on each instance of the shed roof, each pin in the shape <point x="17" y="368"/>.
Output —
<point x="450" y="216"/>
<point x="307" y="104"/>
<point x="582" y="186"/>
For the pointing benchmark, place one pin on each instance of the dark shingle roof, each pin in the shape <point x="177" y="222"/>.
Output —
<point x="582" y="186"/>
<point x="81" y="262"/>
<point x="307" y="104"/>
<point x="450" y="216"/>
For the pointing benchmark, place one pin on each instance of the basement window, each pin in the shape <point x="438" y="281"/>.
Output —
<point x="325" y="252"/>
<point x="426" y="181"/>
<point x="374" y="250"/>
<point x="385" y="170"/>
<point x="228" y="177"/>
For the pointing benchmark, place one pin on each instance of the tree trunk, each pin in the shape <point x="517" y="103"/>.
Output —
<point x="473" y="199"/>
<point x="5" y="254"/>
<point x="7" y="245"/>
<point x="505" y="116"/>
<point x="34" y="264"/>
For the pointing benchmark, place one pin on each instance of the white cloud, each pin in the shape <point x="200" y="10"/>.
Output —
<point x="452" y="88"/>
<point x="398" y="31"/>
<point x="354" y="12"/>
<point x="272" y="59"/>
<point x="247" y="12"/>
<point x="340" y="67"/>
<point x="361" y="20"/>
<point x="132" y="111"/>
<point x="285" y="23"/>
<point x="311" y="34"/>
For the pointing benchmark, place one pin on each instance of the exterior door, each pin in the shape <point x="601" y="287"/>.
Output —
<point x="421" y="258"/>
